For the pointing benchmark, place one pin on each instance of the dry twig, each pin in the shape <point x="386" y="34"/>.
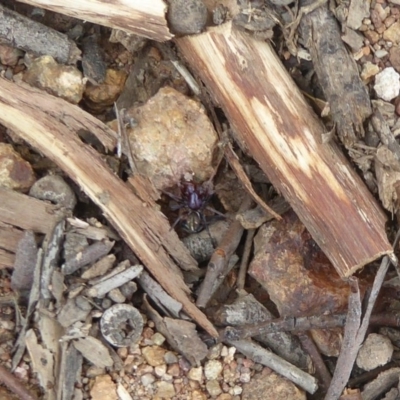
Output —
<point x="220" y="259"/>
<point x="355" y="329"/>
<point x="15" y="385"/>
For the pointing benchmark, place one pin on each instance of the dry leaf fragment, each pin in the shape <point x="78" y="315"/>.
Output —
<point x="94" y="351"/>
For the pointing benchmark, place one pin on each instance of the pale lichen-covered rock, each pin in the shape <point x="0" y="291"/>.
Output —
<point x="172" y="138"/>
<point x="63" y="81"/>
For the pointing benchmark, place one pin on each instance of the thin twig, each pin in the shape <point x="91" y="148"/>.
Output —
<point x="354" y="333"/>
<point x="320" y="367"/>
<point x="296" y="324"/>
<point x="15" y="385"/>
<point x="219" y="260"/>
<point x="239" y="171"/>
<point x="124" y="145"/>
<point x="349" y="350"/>
<point x="263" y="356"/>
<point x="245" y="259"/>
<point x="287" y="324"/>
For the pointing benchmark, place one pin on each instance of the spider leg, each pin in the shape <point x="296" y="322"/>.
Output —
<point x="204" y="221"/>
<point x="172" y="196"/>
<point x="176" y="222"/>
<point x="216" y="212"/>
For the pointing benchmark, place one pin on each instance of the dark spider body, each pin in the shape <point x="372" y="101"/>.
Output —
<point x="196" y="196"/>
<point x="191" y="203"/>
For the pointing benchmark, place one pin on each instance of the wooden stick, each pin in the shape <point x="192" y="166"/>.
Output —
<point x="279" y="129"/>
<point x="143" y="18"/>
<point x="337" y="72"/>
<point x="321" y="369"/>
<point x="356" y="328"/>
<point x="263" y="356"/>
<point x="15" y="385"/>
<point x="27" y="111"/>
<point x="220" y="259"/>
<point x="350" y="347"/>
<point x="18" y="31"/>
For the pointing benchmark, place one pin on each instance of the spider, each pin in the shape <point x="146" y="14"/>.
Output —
<point x="192" y="202"/>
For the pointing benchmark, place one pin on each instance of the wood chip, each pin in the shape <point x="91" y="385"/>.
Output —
<point x="94" y="351"/>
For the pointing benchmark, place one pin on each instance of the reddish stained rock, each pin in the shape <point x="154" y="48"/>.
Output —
<point x="15" y="172"/>
<point x="298" y="276"/>
<point x="295" y="272"/>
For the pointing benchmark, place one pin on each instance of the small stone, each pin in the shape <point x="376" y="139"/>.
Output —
<point x="392" y="34"/>
<point x="116" y="296"/>
<point x="187" y="16"/>
<point x="167" y="377"/>
<point x="394" y="57"/>
<point x="224" y="396"/>
<point x="160" y="370"/>
<point x="128" y="289"/>
<point x="165" y="390"/>
<point x="184" y="364"/>
<point x="158" y="339"/>
<point x="224" y="351"/>
<point x="147" y="379"/>
<point x="397" y="109"/>
<point x="390" y="21"/>
<point x="122" y="352"/>
<point x="230" y="356"/>
<point x="100" y="267"/>
<point x="94" y="371"/>
<point x="170" y="357"/>
<point x="182" y="131"/>
<point x="368" y="71"/>
<point x="353" y="39"/>
<point x="154" y="355"/>
<point x="104" y="389"/>
<point x="63" y="81"/>
<point x="377" y="350"/>
<point x="100" y="96"/>
<point x="229" y="375"/>
<point x="144" y="369"/>
<point x="248" y="363"/>
<point x="372" y="36"/>
<point x="387" y="84"/>
<point x="106" y="303"/>
<point x="212" y="369"/>
<point x="10" y="55"/>
<point x="174" y="370"/>
<point x="148" y="334"/>
<point x="15" y="172"/>
<point x="270" y="386"/>
<point x="213" y="387"/>
<point x="215" y="351"/>
<point x="237" y="390"/>
<point x="53" y="188"/>
<point x="123" y="393"/>
<point x="196" y="374"/>
<point x="198" y="395"/>
<point x="381" y="53"/>
<point x="245" y="375"/>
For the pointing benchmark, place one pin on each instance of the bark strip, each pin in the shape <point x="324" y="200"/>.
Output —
<point x="143" y="18"/>
<point x="26" y="111"/>
<point x="273" y="121"/>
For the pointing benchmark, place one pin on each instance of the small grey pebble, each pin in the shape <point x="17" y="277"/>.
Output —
<point x="106" y="303"/>
<point x="170" y="357"/>
<point x="54" y="189"/>
<point x="116" y="296"/>
<point x="187" y="16"/>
